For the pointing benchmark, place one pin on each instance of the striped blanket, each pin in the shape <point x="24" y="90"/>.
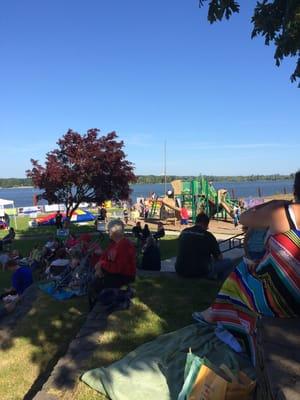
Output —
<point x="272" y="289"/>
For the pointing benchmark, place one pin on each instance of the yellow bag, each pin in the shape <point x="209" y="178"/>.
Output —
<point x="208" y="385"/>
<point x="241" y="389"/>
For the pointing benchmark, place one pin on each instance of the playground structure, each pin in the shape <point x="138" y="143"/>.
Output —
<point x="196" y="195"/>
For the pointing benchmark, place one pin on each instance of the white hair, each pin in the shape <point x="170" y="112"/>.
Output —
<point x="116" y="225"/>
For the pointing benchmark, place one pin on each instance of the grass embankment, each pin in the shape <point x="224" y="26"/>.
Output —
<point x="36" y="343"/>
<point x="163" y="304"/>
<point x="23" y="228"/>
<point x="43" y="335"/>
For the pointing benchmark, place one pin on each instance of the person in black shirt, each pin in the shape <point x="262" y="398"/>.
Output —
<point x="102" y="214"/>
<point x="137" y="231"/>
<point x="145" y="232"/>
<point x="58" y="220"/>
<point x="151" y="255"/>
<point x="199" y="254"/>
<point x="160" y="233"/>
<point x="7" y="239"/>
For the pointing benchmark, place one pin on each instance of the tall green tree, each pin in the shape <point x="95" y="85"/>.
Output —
<point x="277" y="21"/>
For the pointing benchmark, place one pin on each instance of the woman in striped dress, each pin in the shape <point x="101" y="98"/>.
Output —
<point x="271" y="287"/>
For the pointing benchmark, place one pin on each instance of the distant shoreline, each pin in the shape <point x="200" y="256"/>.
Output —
<point x="162" y="183"/>
<point x="26" y="183"/>
<point x="17" y="187"/>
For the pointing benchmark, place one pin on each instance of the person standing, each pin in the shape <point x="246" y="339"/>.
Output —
<point x="58" y="220"/>
<point x="184" y="215"/>
<point x="7" y="220"/>
<point x="125" y="215"/>
<point x="102" y="213"/>
<point x="236" y="216"/>
<point x="146" y="212"/>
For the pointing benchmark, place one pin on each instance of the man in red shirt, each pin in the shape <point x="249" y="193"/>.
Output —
<point x="117" y="264"/>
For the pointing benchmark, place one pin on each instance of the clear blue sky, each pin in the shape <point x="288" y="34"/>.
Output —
<point x="152" y="71"/>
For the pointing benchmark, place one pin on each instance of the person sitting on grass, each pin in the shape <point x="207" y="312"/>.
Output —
<point x="137" y="231"/>
<point x="49" y="247"/>
<point x="145" y="233"/>
<point x="151" y="255"/>
<point x="85" y="241"/>
<point x="72" y="241"/>
<point x="35" y="257"/>
<point x="117" y="264"/>
<point x="21" y="279"/>
<point x="74" y="281"/>
<point x="199" y="255"/>
<point x="160" y="233"/>
<point x="8" y="239"/>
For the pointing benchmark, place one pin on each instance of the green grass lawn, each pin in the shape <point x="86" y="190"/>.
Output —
<point x="27" y="237"/>
<point x="162" y="304"/>
<point x="41" y="337"/>
<point x="168" y="245"/>
<point x="23" y="228"/>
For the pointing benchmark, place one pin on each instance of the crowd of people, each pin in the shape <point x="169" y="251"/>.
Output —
<point x="266" y="282"/>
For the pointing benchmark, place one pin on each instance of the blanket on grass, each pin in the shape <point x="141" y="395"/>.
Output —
<point x="59" y="294"/>
<point x="155" y="370"/>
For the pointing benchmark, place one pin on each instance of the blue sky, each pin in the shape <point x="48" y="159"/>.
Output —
<point x="152" y="71"/>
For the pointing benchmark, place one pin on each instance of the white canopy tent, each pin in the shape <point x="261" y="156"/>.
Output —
<point x="4" y="203"/>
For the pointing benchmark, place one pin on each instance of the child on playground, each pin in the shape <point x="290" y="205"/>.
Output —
<point x="184" y="215"/>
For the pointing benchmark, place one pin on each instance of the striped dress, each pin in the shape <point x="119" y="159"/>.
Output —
<point x="272" y="290"/>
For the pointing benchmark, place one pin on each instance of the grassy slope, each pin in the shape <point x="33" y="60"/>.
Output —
<point x="162" y="305"/>
<point x="43" y="335"/>
<point x="37" y="342"/>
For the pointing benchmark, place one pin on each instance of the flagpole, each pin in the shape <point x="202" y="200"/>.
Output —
<point x="165" y="165"/>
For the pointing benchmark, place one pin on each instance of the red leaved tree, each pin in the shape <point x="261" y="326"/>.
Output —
<point x="84" y="168"/>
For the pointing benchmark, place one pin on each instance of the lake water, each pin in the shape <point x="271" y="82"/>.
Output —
<point x="24" y="196"/>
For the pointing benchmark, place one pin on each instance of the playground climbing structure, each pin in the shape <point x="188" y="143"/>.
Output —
<point x="196" y="195"/>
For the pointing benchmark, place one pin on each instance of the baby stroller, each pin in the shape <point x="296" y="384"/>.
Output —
<point x="58" y="270"/>
<point x="76" y="279"/>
